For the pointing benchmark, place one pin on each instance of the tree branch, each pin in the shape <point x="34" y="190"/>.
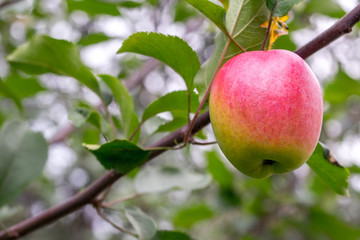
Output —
<point x="341" y="27"/>
<point x="88" y="195"/>
<point x="8" y="3"/>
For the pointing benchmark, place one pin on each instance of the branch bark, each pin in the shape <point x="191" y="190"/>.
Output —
<point x="87" y="196"/>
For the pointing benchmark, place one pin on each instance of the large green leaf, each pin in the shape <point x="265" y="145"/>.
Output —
<point x="174" y="101"/>
<point x="171" y="235"/>
<point x="23" y="156"/>
<point x="43" y="54"/>
<point x="93" y="7"/>
<point x="281" y="7"/>
<point x="151" y="180"/>
<point x="123" y="98"/>
<point x="243" y="21"/>
<point x="120" y="155"/>
<point x="144" y="226"/>
<point x="171" y="50"/>
<point x="341" y="88"/>
<point x="212" y="10"/>
<point x="328" y="169"/>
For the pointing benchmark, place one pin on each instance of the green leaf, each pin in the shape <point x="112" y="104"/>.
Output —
<point x="93" y="7"/>
<point x="144" y="226"/>
<point x="120" y="155"/>
<point x="93" y="38"/>
<point x="123" y="98"/>
<point x="212" y="10"/>
<point x="332" y="9"/>
<point x="183" y="11"/>
<point x="188" y="216"/>
<point x="9" y="93"/>
<point x="171" y="50"/>
<point x="22" y="86"/>
<point x="43" y="54"/>
<point x="172" y="125"/>
<point x="171" y="235"/>
<point x="281" y="7"/>
<point x="23" y="156"/>
<point x="174" y="101"/>
<point x="81" y="115"/>
<point x="151" y="180"/>
<point x="341" y="88"/>
<point x="332" y="226"/>
<point x="243" y="21"/>
<point x="218" y="170"/>
<point x="329" y="170"/>
<point x="354" y="169"/>
<point x="130" y="4"/>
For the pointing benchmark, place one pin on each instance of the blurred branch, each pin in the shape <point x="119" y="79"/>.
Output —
<point x="341" y="27"/>
<point x="88" y="195"/>
<point x="8" y="3"/>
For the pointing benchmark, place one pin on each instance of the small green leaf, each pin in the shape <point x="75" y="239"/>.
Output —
<point x="174" y="101"/>
<point x="329" y="170"/>
<point x="171" y="50"/>
<point x="9" y="93"/>
<point x="144" y="225"/>
<point x="281" y="7"/>
<point x="172" y="125"/>
<point x="93" y="38"/>
<point x="218" y="170"/>
<point x="188" y="216"/>
<point x="24" y="86"/>
<point x="212" y="10"/>
<point x="151" y="180"/>
<point x="170" y="235"/>
<point x="130" y="4"/>
<point x="43" y="54"/>
<point x="81" y="115"/>
<point x="123" y="98"/>
<point x="120" y="155"/>
<point x="23" y="156"/>
<point x="332" y="8"/>
<point x="93" y="7"/>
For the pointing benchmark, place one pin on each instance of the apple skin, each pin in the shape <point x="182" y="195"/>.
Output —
<point x="266" y="111"/>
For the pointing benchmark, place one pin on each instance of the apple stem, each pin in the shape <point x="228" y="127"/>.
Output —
<point x="263" y="46"/>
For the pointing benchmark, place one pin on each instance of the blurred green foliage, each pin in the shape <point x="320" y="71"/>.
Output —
<point x="297" y="205"/>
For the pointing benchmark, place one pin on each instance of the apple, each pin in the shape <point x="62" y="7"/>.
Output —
<point x="266" y="111"/>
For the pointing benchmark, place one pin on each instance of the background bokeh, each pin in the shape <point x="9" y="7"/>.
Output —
<point x="296" y="205"/>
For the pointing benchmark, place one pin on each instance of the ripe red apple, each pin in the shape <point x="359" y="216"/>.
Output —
<point x="266" y="111"/>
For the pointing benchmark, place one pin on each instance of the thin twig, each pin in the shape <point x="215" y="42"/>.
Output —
<point x="98" y="210"/>
<point x="120" y="200"/>
<point x="88" y="194"/>
<point x="263" y="46"/>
